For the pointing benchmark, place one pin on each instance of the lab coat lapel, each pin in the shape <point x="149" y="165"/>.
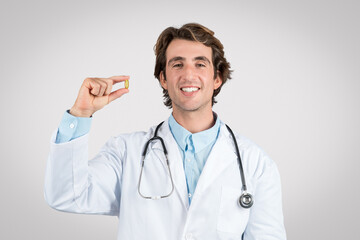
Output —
<point x="175" y="162"/>
<point x="221" y="156"/>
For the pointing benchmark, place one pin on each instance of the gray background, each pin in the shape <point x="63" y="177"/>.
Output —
<point x="295" y="92"/>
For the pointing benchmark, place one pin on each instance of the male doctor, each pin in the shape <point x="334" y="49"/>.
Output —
<point x="193" y="196"/>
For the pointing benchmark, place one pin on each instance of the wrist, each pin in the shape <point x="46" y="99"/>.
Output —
<point x="78" y="113"/>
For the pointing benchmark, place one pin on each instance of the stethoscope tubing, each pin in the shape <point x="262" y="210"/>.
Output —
<point x="239" y="159"/>
<point x="245" y="200"/>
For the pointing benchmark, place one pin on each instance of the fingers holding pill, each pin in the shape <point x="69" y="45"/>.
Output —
<point x="95" y="93"/>
<point x="103" y="86"/>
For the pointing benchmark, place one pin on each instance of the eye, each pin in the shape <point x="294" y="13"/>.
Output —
<point x="200" y="65"/>
<point x="177" y="65"/>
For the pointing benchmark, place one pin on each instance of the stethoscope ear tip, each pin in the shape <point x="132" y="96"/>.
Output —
<point x="246" y="200"/>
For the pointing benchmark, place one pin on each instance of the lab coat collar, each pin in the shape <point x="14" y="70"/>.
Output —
<point x="221" y="156"/>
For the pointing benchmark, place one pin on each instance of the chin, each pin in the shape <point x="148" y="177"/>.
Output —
<point x="188" y="107"/>
<point x="191" y="106"/>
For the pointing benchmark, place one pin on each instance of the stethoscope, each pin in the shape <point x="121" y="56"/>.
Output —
<point x="245" y="200"/>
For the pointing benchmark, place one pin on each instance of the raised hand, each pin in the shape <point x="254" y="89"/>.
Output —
<point x="95" y="93"/>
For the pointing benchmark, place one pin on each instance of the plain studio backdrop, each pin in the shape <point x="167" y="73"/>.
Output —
<point x="295" y="92"/>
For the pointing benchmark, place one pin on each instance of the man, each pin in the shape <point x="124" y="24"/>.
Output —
<point x="195" y="195"/>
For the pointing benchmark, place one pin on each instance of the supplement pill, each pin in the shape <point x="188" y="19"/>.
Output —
<point x="127" y="83"/>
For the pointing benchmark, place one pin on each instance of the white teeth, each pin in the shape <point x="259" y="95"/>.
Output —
<point x="190" y="89"/>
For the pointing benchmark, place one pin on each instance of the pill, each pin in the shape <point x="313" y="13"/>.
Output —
<point x="127" y="83"/>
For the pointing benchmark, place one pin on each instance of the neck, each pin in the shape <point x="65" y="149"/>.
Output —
<point x="194" y="121"/>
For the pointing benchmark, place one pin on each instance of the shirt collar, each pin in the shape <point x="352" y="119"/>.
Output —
<point x="200" y="140"/>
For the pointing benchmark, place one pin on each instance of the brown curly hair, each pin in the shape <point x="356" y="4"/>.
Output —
<point x="191" y="32"/>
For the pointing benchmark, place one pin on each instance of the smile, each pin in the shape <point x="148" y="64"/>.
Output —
<point x="189" y="89"/>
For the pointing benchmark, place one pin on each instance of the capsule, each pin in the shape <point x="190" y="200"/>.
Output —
<point x="127" y="83"/>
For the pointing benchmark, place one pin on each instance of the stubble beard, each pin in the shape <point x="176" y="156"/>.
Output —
<point x="181" y="108"/>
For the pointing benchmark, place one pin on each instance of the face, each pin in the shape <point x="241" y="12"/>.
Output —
<point x="189" y="75"/>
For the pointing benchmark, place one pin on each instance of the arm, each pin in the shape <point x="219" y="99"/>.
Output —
<point x="72" y="127"/>
<point x="74" y="184"/>
<point x="266" y="216"/>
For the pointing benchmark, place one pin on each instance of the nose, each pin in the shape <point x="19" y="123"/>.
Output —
<point x="189" y="72"/>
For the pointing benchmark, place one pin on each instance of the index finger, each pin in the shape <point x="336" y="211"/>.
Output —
<point x="117" y="79"/>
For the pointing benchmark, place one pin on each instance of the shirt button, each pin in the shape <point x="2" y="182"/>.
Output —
<point x="72" y="125"/>
<point x="188" y="236"/>
<point x="190" y="195"/>
<point x="188" y="159"/>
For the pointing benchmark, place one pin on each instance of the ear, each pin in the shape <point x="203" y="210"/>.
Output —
<point x="163" y="81"/>
<point x="217" y="81"/>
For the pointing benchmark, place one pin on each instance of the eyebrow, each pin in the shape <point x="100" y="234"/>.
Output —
<point x="178" y="58"/>
<point x="202" y="58"/>
<point x="174" y="59"/>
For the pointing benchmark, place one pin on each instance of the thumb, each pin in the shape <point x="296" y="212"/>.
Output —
<point x="118" y="93"/>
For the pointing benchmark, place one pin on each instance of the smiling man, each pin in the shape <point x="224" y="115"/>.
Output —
<point x="189" y="177"/>
<point x="190" y="80"/>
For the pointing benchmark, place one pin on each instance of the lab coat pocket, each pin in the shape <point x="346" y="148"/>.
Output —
<point x="232" y="218"/>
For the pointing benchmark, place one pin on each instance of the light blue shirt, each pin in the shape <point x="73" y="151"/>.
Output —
<point x="194" y="148"/>
<point x="72" y="127"/>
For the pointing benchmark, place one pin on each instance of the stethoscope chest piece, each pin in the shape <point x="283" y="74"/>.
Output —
<point x="246" y="200"/>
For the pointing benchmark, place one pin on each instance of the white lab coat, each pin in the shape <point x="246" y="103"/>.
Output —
<point x="108" y="184"/>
